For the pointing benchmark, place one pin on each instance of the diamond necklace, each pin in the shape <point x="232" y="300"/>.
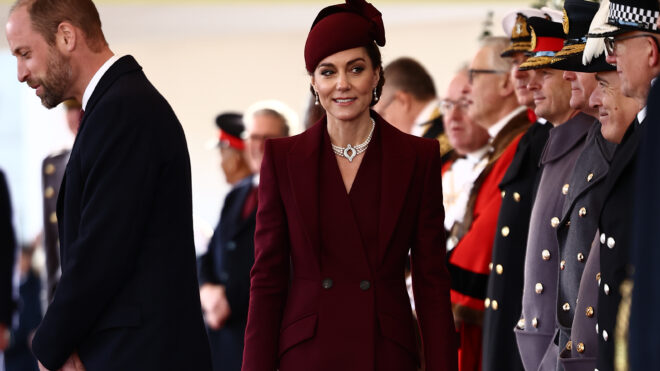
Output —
<point x="349" y="152"/>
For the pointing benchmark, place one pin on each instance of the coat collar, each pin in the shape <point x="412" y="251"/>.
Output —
<point x="565" y="137"/>
<point x="398" y="162"/>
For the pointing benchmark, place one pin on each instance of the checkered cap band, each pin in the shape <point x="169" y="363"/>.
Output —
<point x="626" y="15"/>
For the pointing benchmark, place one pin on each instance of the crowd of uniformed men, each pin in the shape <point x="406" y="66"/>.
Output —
<point x="548" y="186"/>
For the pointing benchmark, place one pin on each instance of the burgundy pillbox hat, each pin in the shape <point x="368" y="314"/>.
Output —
<point x="340" y="27"/>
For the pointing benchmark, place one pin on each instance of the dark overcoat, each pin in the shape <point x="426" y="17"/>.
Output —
<point x="7" y="254"/>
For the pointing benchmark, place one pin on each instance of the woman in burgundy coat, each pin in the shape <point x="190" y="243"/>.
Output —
<point x="339" y="208"/>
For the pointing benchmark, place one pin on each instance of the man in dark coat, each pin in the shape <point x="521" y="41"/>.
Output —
<point x="128" y="296"/>
<point x="7" y="251"/>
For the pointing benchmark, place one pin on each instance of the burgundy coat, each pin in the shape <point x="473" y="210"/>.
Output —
<point x="293" y="303"/>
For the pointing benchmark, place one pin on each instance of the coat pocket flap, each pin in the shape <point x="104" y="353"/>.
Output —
<point x="119" y="316"/>
<point x="297" y="332"/>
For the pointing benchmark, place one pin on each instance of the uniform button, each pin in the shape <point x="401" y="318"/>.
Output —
<point x="611" y="242"/>
<point x="545" y="254"/>
<point x="598" y="278"/>
<point x="554" y="222"/>
<point x="487" y="303"/>
<point x="365" y="285"/>
<point x="490" y="266"/>
<point x="602" y="238"/>
<point x="327" y="283"/>
<point x="597" y="328"/>
<point x="606" y="336"/>
<point x="499" y="269"/>
<point x="566" y="307"/>
<point x="50" y="169"/>
<point x="538" y="288"/>
<point x="565" y="188"/>
<point x="49" y="192"/>
<point x="535" y="322"/>
<point x="494" y="305"/>
<point x="562" y="265"/>
<point x="583" y="212"/>
<point x="568" y="223"/>
<point x="590" y="177"/>
<point x="580" y="257"/>
<point x="590" y="312"/>
<point x="606" y="288"/>
<point x="516" y="196"/>
<point x="505" y="231"/>
<point x="231" y="245"/>
<point x="503" y="194"/>
<point x="569" y="345"/>
<point x="53" y="217"/>
<point x="580" y="347"/>
<point x="521" y="324"/>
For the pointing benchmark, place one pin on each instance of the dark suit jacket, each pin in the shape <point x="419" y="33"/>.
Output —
<point x="227" y="262"/>
<point x="289" y="296"/>
<point x="7" y="251"/>
<point x="128" y="297"/>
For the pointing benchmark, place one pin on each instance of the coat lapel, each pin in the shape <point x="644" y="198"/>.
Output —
<point x="397" y="168"/>
<point x="303" y="164"/>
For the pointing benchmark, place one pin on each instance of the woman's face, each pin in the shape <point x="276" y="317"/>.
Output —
<point x="345" y="82"/>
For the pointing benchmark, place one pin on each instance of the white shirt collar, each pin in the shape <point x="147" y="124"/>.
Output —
<point x="495" y="129"/>
<point x="476" y="156"/>
<point x="426" y="114"/>
<point x="641" y="116"/>
<point x="95" y="80"/>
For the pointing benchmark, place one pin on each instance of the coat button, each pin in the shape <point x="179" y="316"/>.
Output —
<point x="562" y="265"/>
<point x="580" y="347"/>
<point x="50" y="169"/>
<point x="521" y="324"/>
<point x="535" y="322"/>
<point x="611" y="242"/>
<point x="590" y="177"/>
<point x="499" y="269"/>
<point x="569" y="345"/>
<point x="565" y="188"/>
<point x="590" y="312"/>
<point x="538" y="288"/>
<point x="566" y="307"/>
<point x="598" y="278"/>
<point x="231" y="245"/>
<point x="487" y="303"/>
<point x="606" y="336"/>
<point x="554" y="222"/>
<point x="53" y="217"/>
<point x="545" y="254"/>
<point x="602" y="238"/>
<point x="490" y="266"/>
<point x="516" y="196"/>
<point x="494" y="305"/>
<point x="583" y="212"/>
<point x="49" y="192"/>
<point x="580" y="257"/>
<point x="606" y="288"/>
<point x="503" y="194"/>
<point x="365" y="285"/>
<point x="505" y="231"/>
<point x="327" y="283"/>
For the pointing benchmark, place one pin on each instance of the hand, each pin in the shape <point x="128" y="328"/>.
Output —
<point x="5" y="336"/>
<point x="215" y="305"/>
<point x="73" y="364"/>
<point x="42" y="367"/>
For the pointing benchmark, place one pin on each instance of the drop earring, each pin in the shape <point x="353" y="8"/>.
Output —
<point x="375" y="96"/>
<point x="316" y="100"/>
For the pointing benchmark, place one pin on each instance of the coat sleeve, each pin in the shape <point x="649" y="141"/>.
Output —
<point x="270" y="273"/>
<point x="121" y="173"/>
<point x="431" y="282"/>
<point x="7" y="251"/>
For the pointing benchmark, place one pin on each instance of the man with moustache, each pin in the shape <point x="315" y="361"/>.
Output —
<point x="127" y="297"/>
<point x="518" y="186"/>
<point x="536" y="328"/>
<point x="632" y="44"/>
<point x="493" y="106"/>
<point x="470" y="143"/>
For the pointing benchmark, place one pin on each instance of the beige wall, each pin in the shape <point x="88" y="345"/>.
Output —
<point x="207" y="58"/>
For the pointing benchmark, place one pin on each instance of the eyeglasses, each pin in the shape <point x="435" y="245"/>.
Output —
<point x="472" y="72"/>
<point x="610" y="42"/>
<point x="449" y="105"/>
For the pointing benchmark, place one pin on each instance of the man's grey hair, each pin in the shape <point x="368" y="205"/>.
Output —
<point x="496" y="45"/>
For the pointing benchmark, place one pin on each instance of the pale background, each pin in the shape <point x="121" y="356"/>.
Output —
<point x="209" y="57"/>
